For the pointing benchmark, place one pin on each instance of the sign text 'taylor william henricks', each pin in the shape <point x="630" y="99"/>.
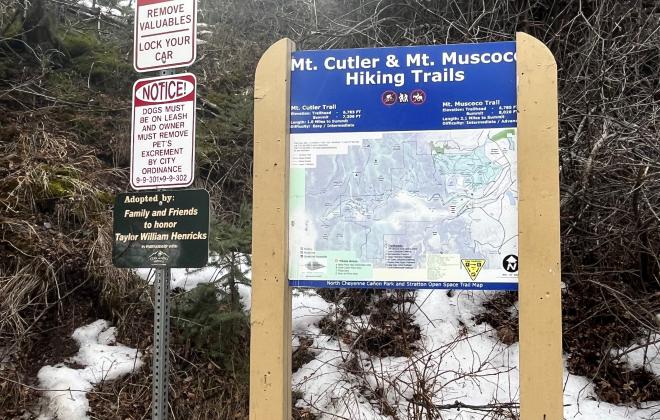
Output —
<point x="403" y="168"/>
<point x="165" y="34"/>
<point x="163" y="132"/>
<point x="161" y="229"/>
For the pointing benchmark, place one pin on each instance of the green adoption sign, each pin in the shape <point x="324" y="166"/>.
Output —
<point x="161" y="229"/>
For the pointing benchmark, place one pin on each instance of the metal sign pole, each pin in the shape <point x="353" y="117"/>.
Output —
<point x="154" y="50"/>
<point x="161" y="343"/>
<point x="160" y="367"/>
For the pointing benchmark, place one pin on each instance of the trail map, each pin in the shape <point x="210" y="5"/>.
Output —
<point x="403" y="208"/>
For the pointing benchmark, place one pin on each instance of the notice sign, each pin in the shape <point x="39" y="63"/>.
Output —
<point x="161" y="229"/>
<point x="163" y="132"/>
<point x="403" y="168"/>
<point x="165" y="32"/>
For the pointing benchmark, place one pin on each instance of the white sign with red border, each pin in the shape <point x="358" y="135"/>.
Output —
<point x="165" y="34"/>
<point x="163" y="132"/>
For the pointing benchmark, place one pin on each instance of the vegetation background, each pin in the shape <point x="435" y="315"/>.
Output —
<point x="65" y="80"/>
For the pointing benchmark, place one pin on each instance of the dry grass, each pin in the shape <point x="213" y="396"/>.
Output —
<point x="55" y="199"/>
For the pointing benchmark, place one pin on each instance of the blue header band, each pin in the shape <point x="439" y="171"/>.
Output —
<point x="437" y="87"/>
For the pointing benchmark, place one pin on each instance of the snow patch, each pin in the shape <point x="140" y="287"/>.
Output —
<point x="114" y="11"/>
<point x="643" y="354"/>
<point x="580" y="403"/>
<point x="185" y="278"/>
<point x="245" y="292"/>
<point x="102" y="360"/>
<point x="458" y="360"/>
<point x="308" y="309"/>
<point x="189" y="278"/>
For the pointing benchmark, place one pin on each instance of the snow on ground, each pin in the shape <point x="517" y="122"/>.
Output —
<point x="640" y="355"/>
<point x="103" y="360"/>
<point x="185" y="278"/>
<point x="580" y="403"/>
<point x="115" y="11"/>
<point x="327" y="386"/>
<point x="100" y="359"/>
<point x="458" y="361"/>
<point x="188" y="278"/>
<point x="126" y="7"/>
<point x="308" y="308"/>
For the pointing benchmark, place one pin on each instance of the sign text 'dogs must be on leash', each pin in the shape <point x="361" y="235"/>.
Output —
<point x="165" y="32"/>
<point x="161" y="229"/>
<point x="163" y="132"/>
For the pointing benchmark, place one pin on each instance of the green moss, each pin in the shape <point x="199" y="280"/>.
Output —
<point x="59" y="187"/>
<point x="60" y="181"/>
<point x="103" y="64"/>
<point x="77" y="44"/>
<point x="106" y="69"/>
<point x="105" y="197"/>
<point x="66" y="171"/>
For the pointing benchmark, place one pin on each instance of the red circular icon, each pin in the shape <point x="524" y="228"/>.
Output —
<point x="388" y="97"/>
<point x="417" y="97"/>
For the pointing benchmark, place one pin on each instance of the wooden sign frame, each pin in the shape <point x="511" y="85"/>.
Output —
<point x="270" y="318"/>
<point x="541" y="394"/>
<point x="539" y="288"/>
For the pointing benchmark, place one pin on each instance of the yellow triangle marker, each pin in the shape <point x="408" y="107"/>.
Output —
<point x="473" y="267"/>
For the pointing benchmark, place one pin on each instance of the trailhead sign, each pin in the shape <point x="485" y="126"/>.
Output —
<point x="403" y="167"/>
<point x="165" y="34"/>
<point x="163" y="132"/>
<point x="161" y="229"/>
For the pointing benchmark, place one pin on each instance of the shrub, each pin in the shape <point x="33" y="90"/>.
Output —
<point x="206" y="321"/>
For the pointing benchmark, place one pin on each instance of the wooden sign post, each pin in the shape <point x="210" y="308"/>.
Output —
<point x="538" y="224"/>
<point x="270" y="318"/>
<point x="541" y="392"/>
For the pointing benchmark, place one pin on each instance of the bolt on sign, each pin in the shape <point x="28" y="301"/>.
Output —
<point x="161" y="229"/>
<point x="163" y="132"/>
<point x="165" y="34"/>
<point x="403" y="168"/>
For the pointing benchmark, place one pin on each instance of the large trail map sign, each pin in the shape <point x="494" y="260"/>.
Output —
<point x="403" y="168"/>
